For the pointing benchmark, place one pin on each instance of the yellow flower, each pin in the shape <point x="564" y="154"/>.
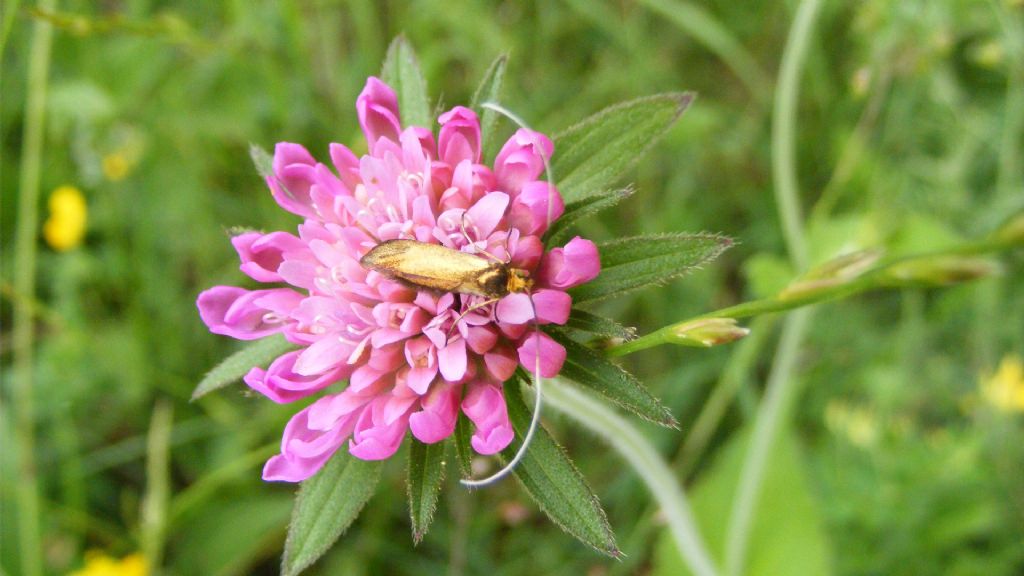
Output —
<point x="99" y="564"/>
<point x="65" y="227"/>
<point x="116" y="166"/>
<point x="1004" y="390"/>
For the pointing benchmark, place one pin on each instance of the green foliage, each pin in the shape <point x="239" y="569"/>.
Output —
<point x="490" y="90"/>
<point x="597" y="325"/>
<point x="908" y="140"/>
<point x="787" y="538"/>
<point x="588" y="205"/>
<point x="402" y="72"/>
<point x="595" y="152"/>
<point x="232" y="368"/>
<point x="554" y="482"/>
<point x="424" y="477"/>
<point x="592" y="370"/>
<point x="632" y="263"/>
<point x="326" y="506"/>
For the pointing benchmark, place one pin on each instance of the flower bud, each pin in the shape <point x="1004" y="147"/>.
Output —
<point x="707" y="332"/>
<point x="939" y="270"/>
<point x="836" y="272"/>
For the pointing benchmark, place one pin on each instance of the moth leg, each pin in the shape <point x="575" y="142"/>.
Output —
<point x="463" y="315"/>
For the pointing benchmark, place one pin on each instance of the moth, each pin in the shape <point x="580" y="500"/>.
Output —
<point x="443" y="269"/>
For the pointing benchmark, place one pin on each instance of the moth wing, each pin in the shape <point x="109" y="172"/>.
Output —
<point x="428" y="265"/>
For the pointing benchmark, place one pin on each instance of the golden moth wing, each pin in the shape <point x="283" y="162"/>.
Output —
<point x="428" y="265"/>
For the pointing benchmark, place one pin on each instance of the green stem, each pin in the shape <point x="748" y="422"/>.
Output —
<point x="875" y="279"/>
<point x="650" y="466"/>
<point x="28" y="503"/>
<point x="781" y="387"/>
<point x="154" y="505"/>
<point x="774" y="411"/>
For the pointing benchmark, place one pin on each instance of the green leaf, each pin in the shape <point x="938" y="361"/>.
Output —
<point x="580" y="209"/>
<point x="402" y="72"/>
<point x="463" y="448"/>
<point x="631" y="263"/>
<point x="555" y="484"/>
<point x="590" y="323"/>
<point x="592" y="154"/>
<point x="326" y="505"/>
<point x="232" y="368"/>
<point x="592" y="370"/>
<point x="263" y="160"/>
<point x="425" y="473"/>
<point x="489" y="90"/>
<point x="788" y="533"/>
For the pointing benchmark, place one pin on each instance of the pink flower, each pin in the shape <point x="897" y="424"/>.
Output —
<point x="413" y="358"/>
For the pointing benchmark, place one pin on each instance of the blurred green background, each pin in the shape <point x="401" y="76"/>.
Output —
<point x="909" y="138"/>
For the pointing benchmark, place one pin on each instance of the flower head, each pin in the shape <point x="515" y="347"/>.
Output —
<point x="65" y="228"/>
<point x="413" y="358"/>
<point x="1004" y="390"/>
<point x="99" y="564"/>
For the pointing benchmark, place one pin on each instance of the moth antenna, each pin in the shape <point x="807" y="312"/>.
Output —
<point x="465" y="235"/>
<point x="536" y="142"/>
<point x="534" y="420"/>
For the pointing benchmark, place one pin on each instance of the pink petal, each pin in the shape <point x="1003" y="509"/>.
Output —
<point x="530" y="213"/>
<point x="485" y="407"/>
<point x="436" y="421"/>
<point x="262" y="254"/>
<point x="282" y="385"/>
<point x="573" y="265"/>
<point x="459" y="137"/>
<point x="303" y="450"/>
<point x="451" y="359"/>
<point x="521" y="159"/>
<point x="324" y="354"/>
<point x="515" y="309"/>
<point x="485" y="215"/>
<point x="552" y="354"/>
<point x="553" y="306"/>
<point x="501" y="363"/>
<point x="377" y="107"/>
<point x="236" y="312"/>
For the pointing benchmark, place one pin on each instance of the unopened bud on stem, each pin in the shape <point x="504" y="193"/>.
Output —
<point x="707" y="332"/>
<point x="940" y="271"/>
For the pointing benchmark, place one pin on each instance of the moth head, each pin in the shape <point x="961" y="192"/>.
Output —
<point x="519" y="280"/>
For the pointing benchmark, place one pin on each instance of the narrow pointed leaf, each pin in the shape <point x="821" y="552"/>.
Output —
<point x="592" y="154"/>
<point x="555" y="484"/>
<point x="592" y="370"/>
<point x="425" y="473"/>
<point x="263" y="160"/>
<point x="232" y="368"/>
<point x="631" y="263"/>
<point x="402" y="72"/>
<point x="580" y="209"/>
<point x="590" y="323"/>
<point x="325" y="507"/>
<point x="463" y="448"/>
<point x="489" y="91"/>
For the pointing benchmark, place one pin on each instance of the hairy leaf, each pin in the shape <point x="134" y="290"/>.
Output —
<point x="325" y="507"/>
<point x="592" y="154"/>
<point x="425" y="473"/>
<point x="554" y="482"/>
<point x="631" y="263"/>
<point x="490" y="91"/>
<point x="232" y="368"/>
<point x="402" y="72"/>
<point x="580" y="209"/>
<point x="463" y="449"/>
<point x="590" y="323"/>
<point x="592" y="370"/>
<point x="263" y="160"/>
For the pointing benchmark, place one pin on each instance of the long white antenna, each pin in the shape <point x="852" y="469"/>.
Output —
<point x="537" y="380"/>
